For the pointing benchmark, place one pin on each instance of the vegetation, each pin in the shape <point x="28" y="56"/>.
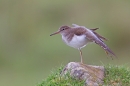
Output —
<point x="55" y="79"/>
<point x="117" y="76"/>
<point x="114" y="76"/>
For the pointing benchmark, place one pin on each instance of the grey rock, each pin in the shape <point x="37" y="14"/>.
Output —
<point x="93" y="75"/>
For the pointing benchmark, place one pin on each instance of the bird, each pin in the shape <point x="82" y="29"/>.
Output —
<point x="79" y="36"/>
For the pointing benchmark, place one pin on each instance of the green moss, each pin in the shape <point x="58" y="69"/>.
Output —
<point x="117" y="76"/>
<point x="114" y="76"/>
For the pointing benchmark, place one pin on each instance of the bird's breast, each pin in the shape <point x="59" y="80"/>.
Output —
<point x="76" y="41"/>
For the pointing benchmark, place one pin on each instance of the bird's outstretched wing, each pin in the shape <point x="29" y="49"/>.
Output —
<point x="99" y="36"/>
<point x="105" y="47"/>
<point x="75" y="25"/>
<point x="94" y="29"/>
<point x="98" y="39"/>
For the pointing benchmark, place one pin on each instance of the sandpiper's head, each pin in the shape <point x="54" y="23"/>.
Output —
<point x="61" y="30"/>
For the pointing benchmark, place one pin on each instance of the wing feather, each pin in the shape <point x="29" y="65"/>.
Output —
<point x="99" y="36"/>
<point x="105" y="47"/>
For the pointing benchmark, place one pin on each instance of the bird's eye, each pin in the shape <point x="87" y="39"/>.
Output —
<point x="63" y="29"/>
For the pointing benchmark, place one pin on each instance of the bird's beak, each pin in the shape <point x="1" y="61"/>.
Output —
<point x="55" y="33"/>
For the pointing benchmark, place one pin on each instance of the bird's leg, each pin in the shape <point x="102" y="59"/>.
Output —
<point x="81" y="55"/>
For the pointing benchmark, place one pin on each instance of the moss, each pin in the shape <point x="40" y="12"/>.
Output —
<point x="117" y="76"/>
<point x="114" y="76"/>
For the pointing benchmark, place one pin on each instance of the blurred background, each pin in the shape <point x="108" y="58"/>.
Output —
<point x="28" y="54"/>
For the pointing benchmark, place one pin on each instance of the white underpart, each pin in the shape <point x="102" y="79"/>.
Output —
<point x="77" y="41"/>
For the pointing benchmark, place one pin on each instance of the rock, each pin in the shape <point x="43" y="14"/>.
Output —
<point x="93" y="75"/>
